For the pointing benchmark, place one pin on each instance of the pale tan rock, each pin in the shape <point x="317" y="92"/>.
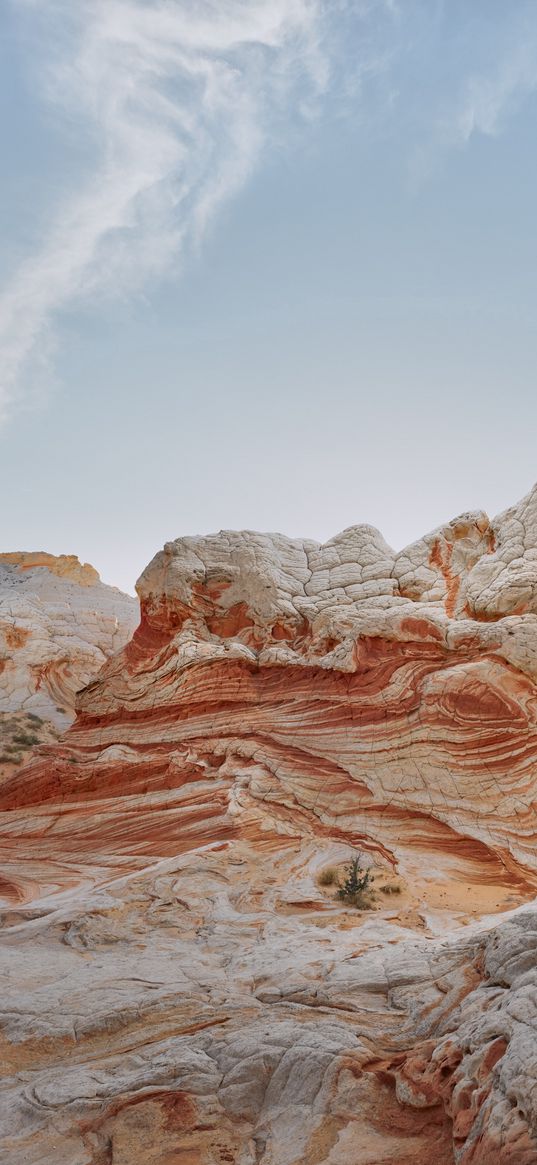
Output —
<point x="58" y="624"/>
<point x="65" y="566"/>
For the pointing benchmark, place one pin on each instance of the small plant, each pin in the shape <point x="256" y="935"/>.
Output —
<point x="391" y="888"/>
<point x="5" y="759"/>
<point x="356" y="885"/>
<point x="34" y="719"/>
<point x="25" y="738"/>
<point x="327" y="877"/>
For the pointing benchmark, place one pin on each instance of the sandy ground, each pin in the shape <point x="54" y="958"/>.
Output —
<point x="420" y="903"/>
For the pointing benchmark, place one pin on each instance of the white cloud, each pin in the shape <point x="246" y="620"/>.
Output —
<point x="497" y="77"/>
<point x="484" y="92"/>
<point x="178" y="99"/>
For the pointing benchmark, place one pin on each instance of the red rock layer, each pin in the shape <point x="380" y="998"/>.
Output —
<point x="278" y="699"/>
<point x="421" y="739"/>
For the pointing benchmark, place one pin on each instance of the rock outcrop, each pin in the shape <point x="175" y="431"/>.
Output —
<point x="58" y="624"/>
<point x="182" y="985"/>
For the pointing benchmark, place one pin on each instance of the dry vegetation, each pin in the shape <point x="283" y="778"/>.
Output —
<point x="20" y="732"/>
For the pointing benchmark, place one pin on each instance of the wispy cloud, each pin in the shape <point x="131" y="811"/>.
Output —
<point x="488" y="99"/>
<point x="178" y="99"/>
<point x="492" y="73"/>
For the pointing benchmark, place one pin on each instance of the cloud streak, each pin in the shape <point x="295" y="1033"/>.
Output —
<point x="178" y="99"/>
<point x="489" y="99"/>
<point x="493" y="72"/>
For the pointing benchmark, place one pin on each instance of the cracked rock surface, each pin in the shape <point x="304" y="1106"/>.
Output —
<point x="181" y="986"/>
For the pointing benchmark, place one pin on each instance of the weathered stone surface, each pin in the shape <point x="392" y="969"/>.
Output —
<point x="58" y="624"/>
<point x="181" y="1014"/>
<point x="180" y="985"/>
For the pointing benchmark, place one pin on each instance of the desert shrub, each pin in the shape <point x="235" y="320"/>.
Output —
<point x="356" y="885"/>
<point x="5" y="758"/>
<point x="391" y="888"/>
<point x="327" y="877"/>
<point x="26" y="738"/>
<point x="33" y="718"/>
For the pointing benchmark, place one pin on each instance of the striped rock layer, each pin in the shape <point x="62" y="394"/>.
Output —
<point x="281" y="705"/>
<point x="277" y="688"/>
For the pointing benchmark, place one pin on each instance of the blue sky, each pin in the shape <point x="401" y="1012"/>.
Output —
<point x="267" y="265"/>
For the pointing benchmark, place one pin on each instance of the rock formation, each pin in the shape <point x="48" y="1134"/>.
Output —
<point x="58" y="624"/>
<point x="182" y="985"/>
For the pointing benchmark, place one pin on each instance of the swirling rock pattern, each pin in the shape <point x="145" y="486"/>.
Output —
<point x="341" y="691"/>
<point x="58" y="624"/>
<point x="280" y="705"/>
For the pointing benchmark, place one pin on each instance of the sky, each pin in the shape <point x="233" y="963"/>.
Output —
<point x="264" y="264"/>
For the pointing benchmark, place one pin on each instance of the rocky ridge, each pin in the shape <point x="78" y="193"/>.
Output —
<point x="179" y="984"/>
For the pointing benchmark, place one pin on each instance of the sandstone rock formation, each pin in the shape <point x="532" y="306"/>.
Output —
<point x="58" y="624"/>
<point x="180" y="986"/>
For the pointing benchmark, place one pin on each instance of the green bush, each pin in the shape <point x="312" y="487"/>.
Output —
<point x="356" y="885"/>
<point x="26" y="738"/>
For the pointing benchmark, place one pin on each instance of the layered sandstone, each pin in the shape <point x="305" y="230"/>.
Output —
<point x="340" y="690"/>
<point x="58" y="624"/>
<point x="183" y="988"/>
